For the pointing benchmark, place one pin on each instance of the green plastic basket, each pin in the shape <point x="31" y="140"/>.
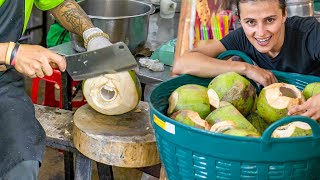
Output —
<point x="191" y="153"/>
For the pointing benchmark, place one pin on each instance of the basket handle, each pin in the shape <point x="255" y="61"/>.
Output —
<point x="241" y="54"/>
<point x="266" y="136"/>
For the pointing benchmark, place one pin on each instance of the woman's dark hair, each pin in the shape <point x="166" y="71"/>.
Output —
<point x="282" y="5"/>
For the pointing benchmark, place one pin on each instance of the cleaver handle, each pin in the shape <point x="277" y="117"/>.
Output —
<point x="53" y="65"/>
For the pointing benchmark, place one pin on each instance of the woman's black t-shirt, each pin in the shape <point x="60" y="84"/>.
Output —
<point x="300" y="52"/>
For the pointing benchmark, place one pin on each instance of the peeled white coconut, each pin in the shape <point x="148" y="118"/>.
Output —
<point x="113" y="94"/>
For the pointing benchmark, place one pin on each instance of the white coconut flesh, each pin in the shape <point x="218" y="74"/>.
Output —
<point x="281" y="95"/>
<point x="213" y="98"/>
<point x="194" y="116"/>
<point x="173" y="100"/>
<point x="223" y="126"/>
<point x="111" y="94"/>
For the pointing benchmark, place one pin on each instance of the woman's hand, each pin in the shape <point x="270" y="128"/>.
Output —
<point x="311" y="108"/>
<point x="33" y="61"/>
<point x="259" y="75"/>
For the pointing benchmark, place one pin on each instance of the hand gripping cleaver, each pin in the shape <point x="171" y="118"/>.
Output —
<point x="107" y="60"/>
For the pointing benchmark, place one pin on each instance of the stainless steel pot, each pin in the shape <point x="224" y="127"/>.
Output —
<point x="122" y="20"/>
<point x="303" y="8"/>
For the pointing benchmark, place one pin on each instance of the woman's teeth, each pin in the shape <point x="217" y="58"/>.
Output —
<point x="263" y="41"/>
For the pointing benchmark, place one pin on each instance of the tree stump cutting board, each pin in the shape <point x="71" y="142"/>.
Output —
<point x="125" y="140"/>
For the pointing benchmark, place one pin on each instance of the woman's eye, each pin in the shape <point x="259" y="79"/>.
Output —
<point x="251" y="22"/>
<point x="270" y="20"/>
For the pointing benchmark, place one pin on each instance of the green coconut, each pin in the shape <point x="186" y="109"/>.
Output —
<point x="254" y="107"/>
<point x="227" y="112"/>
<point x="190" y="97"/>
<point x="242" y="132"/>
<point x="276" y="100"/>
<point x="113" y="94"/>
<point x="234" y="88"/>
<point x="190" y="118"/>
<point x="257" y="121"/>
<point x="311" y="89"/>
<point x="293" y="129"/>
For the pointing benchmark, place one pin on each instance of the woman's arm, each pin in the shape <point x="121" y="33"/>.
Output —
<point x="71" y="16"/>
<point x="201" y="62"/>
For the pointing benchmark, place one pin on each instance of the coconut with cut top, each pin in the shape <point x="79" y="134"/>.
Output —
<point x="190" y="118"/>
<point x="234" y="88"/>
<point x="113" y="94"/>
<point x="276" y="100"/>
<point x="293" y="129"/>
<point x="227" y="112"/>
<point x="190" y="97"/>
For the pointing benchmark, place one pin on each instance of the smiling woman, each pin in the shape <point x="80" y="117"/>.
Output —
<point x="263" y="24"/>
<point x="271" y="39"/>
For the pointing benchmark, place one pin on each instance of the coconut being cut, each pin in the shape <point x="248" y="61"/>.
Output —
<point x="190" y="97"/>
<point x="233" y="88"/>
<point x="113" y="94"/>
<point x="276" y="100"/>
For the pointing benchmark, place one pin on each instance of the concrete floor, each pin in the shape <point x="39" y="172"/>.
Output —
<point x="53" y="165"/>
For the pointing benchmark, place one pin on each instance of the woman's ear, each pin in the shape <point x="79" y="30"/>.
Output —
<point x="285" y="15"/>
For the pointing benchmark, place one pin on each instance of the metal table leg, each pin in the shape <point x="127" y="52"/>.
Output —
<point x="83" y="167"/>
<point x="104" y="171"/>
<point x="66" y="104"/>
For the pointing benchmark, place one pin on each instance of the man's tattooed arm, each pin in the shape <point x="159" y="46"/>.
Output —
<point x="71" y="16"/>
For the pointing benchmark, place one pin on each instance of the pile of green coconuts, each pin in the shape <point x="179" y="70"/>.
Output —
<point x="230" y="105"/>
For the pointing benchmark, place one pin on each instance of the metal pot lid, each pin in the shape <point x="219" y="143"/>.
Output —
<point x="90" y="7"/>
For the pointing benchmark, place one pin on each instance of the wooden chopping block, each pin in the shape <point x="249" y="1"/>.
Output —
<point x="125" y="140"/>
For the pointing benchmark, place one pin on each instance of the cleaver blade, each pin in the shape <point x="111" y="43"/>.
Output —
<point x="107" y="60"/>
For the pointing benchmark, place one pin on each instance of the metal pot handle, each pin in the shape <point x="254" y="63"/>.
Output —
<point x="152" y="10"/>
<point x="266" y="136"/>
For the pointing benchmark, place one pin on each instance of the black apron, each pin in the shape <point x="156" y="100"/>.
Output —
<point x="21" y="135"/>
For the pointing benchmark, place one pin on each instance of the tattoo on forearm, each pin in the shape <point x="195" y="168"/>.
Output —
<point x="75" y="17"/>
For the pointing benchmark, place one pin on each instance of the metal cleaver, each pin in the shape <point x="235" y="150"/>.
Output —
<point x="107" y="60"/>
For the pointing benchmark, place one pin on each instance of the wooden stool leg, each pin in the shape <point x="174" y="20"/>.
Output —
<point x="105" y="171"/>
<point x="83" y="167"/>
<point x="68" y="165"/>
